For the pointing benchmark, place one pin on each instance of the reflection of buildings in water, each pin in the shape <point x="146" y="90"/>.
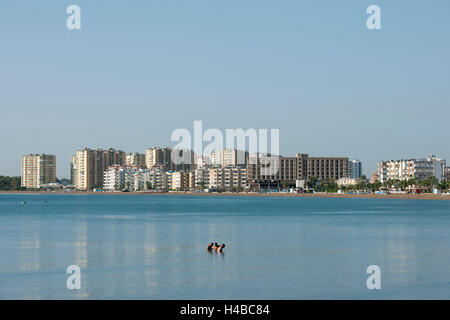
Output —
<point x="80" y="248"/>
<point x="398" y="246"/>
<point x="151" y="282"/>
<point x="150" y="256"/>
<point x="81" y="244"/>
<point x="30" y="246"/>
<point x="399" y="255"/>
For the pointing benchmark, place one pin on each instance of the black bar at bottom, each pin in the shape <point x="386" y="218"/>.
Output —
<point x="232" y="309"/>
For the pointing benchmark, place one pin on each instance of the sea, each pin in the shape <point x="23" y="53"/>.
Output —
<point x="154" y="247"/>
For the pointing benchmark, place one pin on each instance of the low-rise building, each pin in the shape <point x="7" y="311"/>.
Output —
<point x="348" y="181"/>
<point x="114" y="179"/>
<point x="158" y="179"/>
<point x="228" y="178"/>
<point x="179" y="181"/>
<point x="129" y="177"/>
<point x="201" y="177"/>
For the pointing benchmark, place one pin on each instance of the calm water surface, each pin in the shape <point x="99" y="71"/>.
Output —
<point x="153" y="247"/>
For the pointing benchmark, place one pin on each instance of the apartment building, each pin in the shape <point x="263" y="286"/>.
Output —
<point x="179" y="180"/>
<point x="229" y="158"/>
<point x="114" y="178"/>
<point x="447" y="174"/>
<point x="411" y="169"/>
<point x="167" y="158"/>
<point x="135" y="159"/>
<point x="354" y="169"/>
<point x="157" y="157"/>
<point x="158" y="178"/>
<point x="201" y="178"/>
<point x="265" y="171"/>
<point x="228" y="178"/>
<point x="88" y="166"/>
<point x="128" y="177"/>
<point x="439" y="166"/>
<point x="38" y="170"/>
<point x="182" y="160"/>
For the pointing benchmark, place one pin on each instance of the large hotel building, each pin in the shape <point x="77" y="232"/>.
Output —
<point x="271" y="172"/>
<point x="38" y="170"/>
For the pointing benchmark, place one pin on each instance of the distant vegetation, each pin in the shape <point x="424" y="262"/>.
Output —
<point x="426" y="185"/>
<point x="10" y="183"/>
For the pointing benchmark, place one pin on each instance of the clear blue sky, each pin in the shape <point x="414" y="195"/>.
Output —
<point x="140" y="69"/>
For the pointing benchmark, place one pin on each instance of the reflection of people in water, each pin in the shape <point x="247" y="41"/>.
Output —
<point x="209" y="247"/>
<point x="220" y="249"/>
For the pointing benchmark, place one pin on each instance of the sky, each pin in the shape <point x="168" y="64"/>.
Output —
<point x="138" y="70"/>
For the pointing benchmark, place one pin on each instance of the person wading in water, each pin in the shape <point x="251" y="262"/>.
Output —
<point x="220" y="249"/>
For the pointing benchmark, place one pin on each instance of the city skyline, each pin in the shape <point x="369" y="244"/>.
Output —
<point x="314" y="71"/>
<point x="162" y="158"/>
<point x="227" y="169"/>
<point x="141" y="159"/>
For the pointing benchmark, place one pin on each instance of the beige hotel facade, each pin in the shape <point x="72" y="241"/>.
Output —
<point x="278" y="171"/>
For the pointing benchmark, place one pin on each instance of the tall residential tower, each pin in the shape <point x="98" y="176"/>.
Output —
<point x="88" y="166"/>
<point x="37" y="170"/>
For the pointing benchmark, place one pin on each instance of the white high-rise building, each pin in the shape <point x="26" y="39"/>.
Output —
<point x="38" y="170"/>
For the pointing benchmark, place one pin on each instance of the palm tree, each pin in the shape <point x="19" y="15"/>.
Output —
<point x="429" y="183"/>
<point x="311" y="182"/>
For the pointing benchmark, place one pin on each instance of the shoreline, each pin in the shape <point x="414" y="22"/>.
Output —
<point x="426" y="196"/>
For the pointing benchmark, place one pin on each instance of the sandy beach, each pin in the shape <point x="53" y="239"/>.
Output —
<point x="425" y="196"/>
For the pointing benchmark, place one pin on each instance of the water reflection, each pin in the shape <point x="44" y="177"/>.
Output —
<point x="131" y="248"/>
